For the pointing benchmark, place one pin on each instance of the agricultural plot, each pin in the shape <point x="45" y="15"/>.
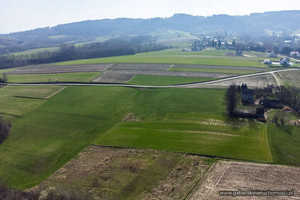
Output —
<point x="53" y="69"/>
<point x="57" y="130"/>
<point x="284" y="144"/>
<point x="164" y="80"/>
<point x="175" y="56"/>
<point x="50" y="78"/>
<point x="16" y="101"/>
<point x="217" y="69"/>
<point x="259" y="81"/>
<point x="121" y="73"/>
<point x="290" y="78"/>
<point x="112" y="173"/>
<point x="198" y="127"/>
<point x="202" y="136"/>
<point x="52" y="134"/>
<point x="125" y="76"/>
<point x="238" y="176"/>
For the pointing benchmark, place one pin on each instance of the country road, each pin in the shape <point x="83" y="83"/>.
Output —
<point x="187" y="85"/>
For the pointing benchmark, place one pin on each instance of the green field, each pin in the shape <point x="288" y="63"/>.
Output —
<point x="170" y="119"/>
<point x="60" y="77"/>
<point x="193" y="137"/>
<point x="284" y="144"/>
<point x="225" y="71"/>
<point x="55" y="132"/>
<point x="176" y="56"/>
<point x="164" y="80"/>
<point x="16" y="101"/>
<point x="184" y="120"/>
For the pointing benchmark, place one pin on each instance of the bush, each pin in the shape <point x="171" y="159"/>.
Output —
<point x="57" y="193"/>
<point x="6" y="194"/>
<point x="4" y="129"/>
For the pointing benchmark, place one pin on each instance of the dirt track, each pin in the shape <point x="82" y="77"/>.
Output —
<point x="234" y="176"/>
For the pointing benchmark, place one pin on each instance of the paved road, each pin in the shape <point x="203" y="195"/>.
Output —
<point x="152" y="86"/>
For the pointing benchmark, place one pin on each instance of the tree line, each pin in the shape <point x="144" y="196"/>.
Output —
<point x="66" y="52"/>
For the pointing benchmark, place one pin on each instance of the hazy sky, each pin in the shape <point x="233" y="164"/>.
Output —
<point x="18" y="15"/>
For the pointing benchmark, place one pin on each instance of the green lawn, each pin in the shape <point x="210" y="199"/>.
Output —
<point x="61" y="77"/>
<point x="175" y="56"/>
<point x="164" y="80"/>
<point x="284" y="143"/>
<point x="225" y="71"/>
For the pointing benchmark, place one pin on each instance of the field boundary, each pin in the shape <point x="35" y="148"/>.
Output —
<point x="186" y="85"/>
<point x="51" y="95"/>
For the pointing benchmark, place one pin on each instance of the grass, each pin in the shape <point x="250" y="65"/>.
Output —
<point x="164" y="80"/>
<point x="50" y="135"/>
<point x="149" y="177"/>
<point x="61" y="77"/>
<point x="225" y="71"/>
<point x="284" y="143"/>
<point x="17" y="101"/>
<point x="56" y="131"/>
<point x="242" y="143"/>
<point x="290" y="78"/>
<point x="174" y="120"/>
<point x="175" y="56"/>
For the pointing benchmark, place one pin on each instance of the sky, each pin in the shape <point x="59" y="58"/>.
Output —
<point x="20" y="15"/>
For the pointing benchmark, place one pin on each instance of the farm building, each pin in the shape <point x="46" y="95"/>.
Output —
<point x="246" y="113"/>
<point x="239" y="52"/>
<point x="295" y="54"/>
<point x="267" y="103"/>
<point x="267" y="62"/>
<point x="285" y="61"/>
<point x="247" y="96"/>
<point x="272" y="55"/>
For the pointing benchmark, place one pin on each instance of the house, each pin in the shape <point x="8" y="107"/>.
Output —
<point x="247" y="96"/>
<point x="267" y="103"/>
<point x="294" y="54"/>
<point x="260" y="113"/>
<point x="239" y="52"/>
<point x="267" y="62"/>
<point x="285" y="61"/>
<point x="185" y="50"/>
<point x="272" y="55"/>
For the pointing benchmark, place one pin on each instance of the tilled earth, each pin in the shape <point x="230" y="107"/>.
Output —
<point x="242" y="176"/>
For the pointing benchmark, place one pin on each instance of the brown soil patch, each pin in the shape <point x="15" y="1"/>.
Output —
<point x="234" y="176"/>
<point x="110" y="173"/>
<point x="131" y="117"/>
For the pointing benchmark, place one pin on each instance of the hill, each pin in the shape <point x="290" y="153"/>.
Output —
<point x="254" y="24"/>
